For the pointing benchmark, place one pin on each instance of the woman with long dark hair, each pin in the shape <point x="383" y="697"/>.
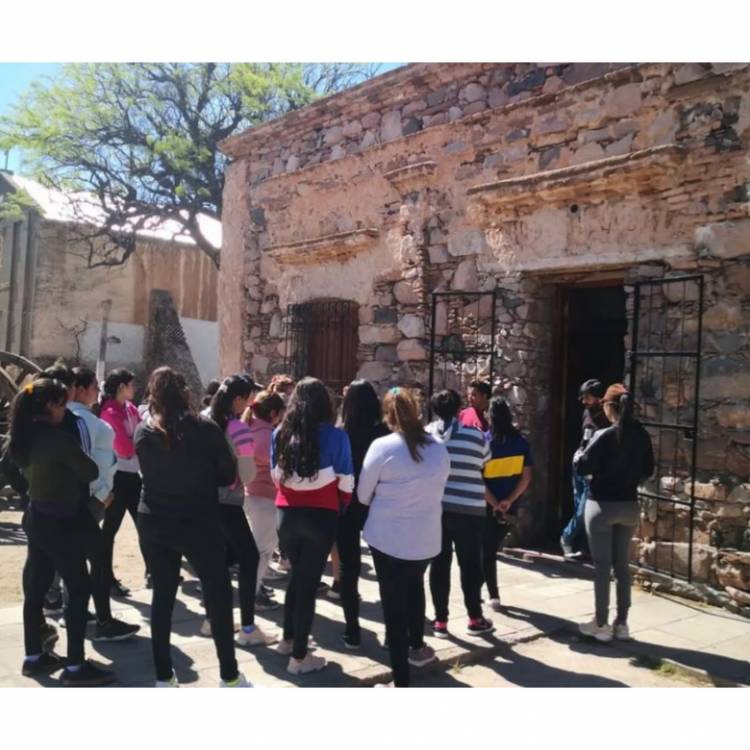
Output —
<point x="184" y="459"/>
<point x="120" y="413"/>
<point x="227" y="405"/>
<point x="507" y="476"/>
<point x="56" y="469"/>
<point x="402" y="481"/>
<point x="311" y="464"/>
<point x="362" y="419"/>
<point x="617" y="459"/>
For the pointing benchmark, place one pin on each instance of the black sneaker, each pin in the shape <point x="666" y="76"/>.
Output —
<point x="87" y="675"/>
<point x="47" y="663"/>
<point x="119" y="590"/>
<point x="353" y="644"/>
<point x="439" y="629"/>
<point x="53" y="607"/>
<point x="479" y="626"/>
<point x="49" y="636"/>
<point x="264" y="603"/>
<point x="114" y="630"/>
<point x="90" y="618"/>
<point x="267" y="590"/>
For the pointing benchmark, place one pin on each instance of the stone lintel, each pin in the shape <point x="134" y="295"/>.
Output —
<point x="411" y="175"/>
<point x="339" y="246"/>
<point x="638" y="171"/>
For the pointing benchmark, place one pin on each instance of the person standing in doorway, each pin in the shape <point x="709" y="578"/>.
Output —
<point x="184" y="459"/>
<point x="464" y="502"/>
<point x="311" y="465"/>
<point x="362" y="419"/>
<point x="121" y="414"/>
<point x="617" y="459"/>
<point x="507" y="476"/>
<point x="402" y="480"/>
<point x="573" y="538"/>
<point x="475" y="414"/>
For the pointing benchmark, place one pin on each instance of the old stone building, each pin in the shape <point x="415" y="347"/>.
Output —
<point x="535" y="224"/>
<point x="51" y="303"/>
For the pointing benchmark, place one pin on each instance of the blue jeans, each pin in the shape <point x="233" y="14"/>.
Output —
<point x="574" y="533"/>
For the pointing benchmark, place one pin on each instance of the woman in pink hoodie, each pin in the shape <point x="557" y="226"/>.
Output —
<point x="121" y="414"/>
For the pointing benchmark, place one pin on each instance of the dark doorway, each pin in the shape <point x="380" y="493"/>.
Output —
<point x="593" y="327"/>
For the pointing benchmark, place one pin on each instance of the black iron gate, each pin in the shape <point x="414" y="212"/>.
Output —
<point x="462" y="339"/>
<point x="665" y="376"/>
<point x="321" y="341"/>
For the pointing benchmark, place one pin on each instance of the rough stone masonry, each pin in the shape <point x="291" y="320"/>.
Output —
<point x="476" y="177"/>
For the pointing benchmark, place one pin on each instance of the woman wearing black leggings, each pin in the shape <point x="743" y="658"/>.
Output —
<point x="227" y="405"/>
<point x="58" y="472"/>
<point x="184" y="459"/>
<point x="362" y="419"/>
<point x="311" y="463"/>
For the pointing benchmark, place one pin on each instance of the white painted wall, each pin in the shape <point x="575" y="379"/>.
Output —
<point x="203" y="339"/>
<point x="124" y="354"/>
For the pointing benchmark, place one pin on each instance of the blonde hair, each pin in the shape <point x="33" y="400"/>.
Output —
<point x="401" y="414"/>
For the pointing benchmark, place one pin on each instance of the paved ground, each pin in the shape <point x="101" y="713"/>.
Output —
<point x="535" y="641"/>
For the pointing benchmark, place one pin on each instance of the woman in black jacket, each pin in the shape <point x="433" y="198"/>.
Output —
<point x="362" y="419"/>
<point x="184" y="459"/>
<point x="58" y="473"/>
<point x="618" y="458"/>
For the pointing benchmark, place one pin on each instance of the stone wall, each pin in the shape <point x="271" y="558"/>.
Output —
<point x="476" y="177"/>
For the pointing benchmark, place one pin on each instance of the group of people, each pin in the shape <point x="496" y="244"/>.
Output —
<point x="253" y="473"/>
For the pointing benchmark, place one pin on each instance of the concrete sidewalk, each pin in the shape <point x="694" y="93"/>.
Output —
<point x="542" y="597"/>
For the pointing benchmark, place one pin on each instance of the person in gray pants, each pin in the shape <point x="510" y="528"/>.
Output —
<point x="617" y="460"/>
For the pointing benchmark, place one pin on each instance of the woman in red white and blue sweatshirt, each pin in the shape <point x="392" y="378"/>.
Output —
<point x="311" y="465"/>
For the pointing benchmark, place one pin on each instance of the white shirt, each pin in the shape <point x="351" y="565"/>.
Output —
<point x="102" y="449"/>
<point x="405" y="497"/>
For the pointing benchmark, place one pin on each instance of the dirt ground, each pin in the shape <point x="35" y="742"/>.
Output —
<point x="128" y="562"/>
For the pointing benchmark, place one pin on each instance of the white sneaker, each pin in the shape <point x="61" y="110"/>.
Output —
<point x="602" y="633"/>
<point x="622" y="632"/>
<point x="495" y="605"/>
<point x="238" y="682"/>
<point x="285" y="648"/>
<point x="272" y="574"/>
<point x="170" y="683"/>
<point x="256" y="637"/>
<point x="309" y="664"/>
<point x="384" y="685"/>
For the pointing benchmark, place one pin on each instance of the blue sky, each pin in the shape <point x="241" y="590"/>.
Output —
<point x="16" y="77"/>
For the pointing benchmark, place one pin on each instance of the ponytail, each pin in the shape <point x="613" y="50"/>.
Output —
<point x="168" y="402"/>
<point x="619" y="399"/>
<point x="501" y="420"/>
<point x="29" y="406"/>
<point x="233" y="387"/>
<point x="402" y="416"/>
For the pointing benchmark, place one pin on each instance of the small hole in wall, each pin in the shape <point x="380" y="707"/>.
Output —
<point x="574" y="208"/>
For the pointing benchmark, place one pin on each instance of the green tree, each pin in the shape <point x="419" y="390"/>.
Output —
<point x="142" y="138"/>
